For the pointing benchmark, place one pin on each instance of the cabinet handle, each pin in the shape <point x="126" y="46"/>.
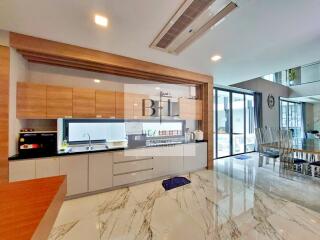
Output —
<point x="98" y="116"/>
<point x="67" y="116"/>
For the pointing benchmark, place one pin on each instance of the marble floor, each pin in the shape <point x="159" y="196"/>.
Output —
<point x="237" y="200"/>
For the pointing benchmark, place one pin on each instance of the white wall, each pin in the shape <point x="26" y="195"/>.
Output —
<point x="270" y="117"/>
<point x="4" y="38"/>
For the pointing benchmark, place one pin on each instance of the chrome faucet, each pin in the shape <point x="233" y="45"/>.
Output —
<point x="90" y="147"/>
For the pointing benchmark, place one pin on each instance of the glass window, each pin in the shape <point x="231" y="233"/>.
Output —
<point x="291" y="117"/>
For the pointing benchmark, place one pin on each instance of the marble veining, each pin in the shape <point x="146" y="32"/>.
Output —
<point x="227" y="203"/>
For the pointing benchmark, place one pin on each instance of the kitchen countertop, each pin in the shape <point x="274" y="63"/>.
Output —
<point x="57" y="154"/>
<point x="28" y="209"/>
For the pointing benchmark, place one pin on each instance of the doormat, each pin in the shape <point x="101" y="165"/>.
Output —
<point x="242" y="157"/>
<point x="174" y="182"/>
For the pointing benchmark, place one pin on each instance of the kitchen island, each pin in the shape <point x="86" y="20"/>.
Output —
<point x="28" y="209"/>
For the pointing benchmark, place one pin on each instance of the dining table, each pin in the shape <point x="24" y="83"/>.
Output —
<point x="302" y="145"/>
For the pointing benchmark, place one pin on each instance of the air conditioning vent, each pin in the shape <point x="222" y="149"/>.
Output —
<point x="193" y="18"/>
<point x="193" y="10"/>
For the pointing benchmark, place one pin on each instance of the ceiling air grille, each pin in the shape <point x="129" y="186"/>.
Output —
<point x="186" y="18"/>
<point x="193" y="18"/>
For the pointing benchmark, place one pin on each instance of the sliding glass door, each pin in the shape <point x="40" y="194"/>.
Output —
<point x="234" y="123"/>
<point x="223" y="123"/>
<point x="249" y="119"/>
<point x="237" y="123"/>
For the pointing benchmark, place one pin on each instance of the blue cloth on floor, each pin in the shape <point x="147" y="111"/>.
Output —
<point x="242" y="157"/>
<point x="174" y="182"/>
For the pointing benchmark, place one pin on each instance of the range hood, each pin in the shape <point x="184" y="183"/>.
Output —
<point x="191" y="21"/>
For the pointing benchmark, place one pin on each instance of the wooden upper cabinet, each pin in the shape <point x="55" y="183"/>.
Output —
<point x="84" y="103"/>
<point x="105" y="104"/>
<point x="124" y="105"/>
<point x="31" y="100"/>
<point x="138" y="106"/>
<point x="190" y="109"/>
<point x="129" y="105"/>
<point x="59" y="102"/>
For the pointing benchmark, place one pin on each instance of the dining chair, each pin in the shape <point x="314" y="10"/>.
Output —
<point x="263" y="136"/>
<point x="287" y="153"/>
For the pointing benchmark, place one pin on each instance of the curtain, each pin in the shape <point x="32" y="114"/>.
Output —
<point x="258" y="109"/>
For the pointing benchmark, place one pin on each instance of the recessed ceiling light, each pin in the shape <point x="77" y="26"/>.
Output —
<point x="216" y="58"/>
<point x="97" y="81"/>
<point x="101" y="20"/>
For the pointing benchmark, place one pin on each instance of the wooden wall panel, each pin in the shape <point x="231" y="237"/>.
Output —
<point x="205" y="92"/>
<point x="4" y="111"/>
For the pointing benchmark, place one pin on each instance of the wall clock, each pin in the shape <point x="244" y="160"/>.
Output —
<point x="270" y="101"/>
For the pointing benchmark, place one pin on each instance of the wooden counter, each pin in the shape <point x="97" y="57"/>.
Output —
<point x="28" y="209"/>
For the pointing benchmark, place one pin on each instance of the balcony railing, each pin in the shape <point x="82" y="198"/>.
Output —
<point x="296" y="76"/>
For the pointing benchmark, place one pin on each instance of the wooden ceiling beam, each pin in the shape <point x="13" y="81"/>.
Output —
<point x="89" y="57"/>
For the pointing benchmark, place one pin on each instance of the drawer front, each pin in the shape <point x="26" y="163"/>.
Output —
<point x="131" y="155"/>
<point x="132" y="166"/>
<point x="132" y="177"/>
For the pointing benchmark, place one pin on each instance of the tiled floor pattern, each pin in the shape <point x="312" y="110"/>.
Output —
<point x="238" y="200"/>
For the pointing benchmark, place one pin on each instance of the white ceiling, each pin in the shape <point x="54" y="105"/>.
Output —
<point x="260" y="37"/>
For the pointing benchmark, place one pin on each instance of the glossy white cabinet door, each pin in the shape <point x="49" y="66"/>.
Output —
<point x="195" y="156"/>
<point x="100" y="171"/>
<point x="22" y="170"/>
<point x="47" y="167"/>
<point x="76" y="169"/>
<point x="160" y="167"/>
<point x="202" y="154"/>
<point x="168" y="161"/>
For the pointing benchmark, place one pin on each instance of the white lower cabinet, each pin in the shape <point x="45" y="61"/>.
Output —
<point x="97" y="171"/>
<point x="47" y="167"/>
<point x="128" y="178"/>
<point x="100" y="171"/>
<point x="195" y="156"/>
<point x="168" y="160"/>
<point x="22" y="170"/>
<point x="76" y="169"/>
<point x="160" y="167"/>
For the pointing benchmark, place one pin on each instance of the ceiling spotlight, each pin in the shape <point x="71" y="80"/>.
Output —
<point x="101" y="20"/>
<point x="216" y="58"/>
<point x="97" y="81"/>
